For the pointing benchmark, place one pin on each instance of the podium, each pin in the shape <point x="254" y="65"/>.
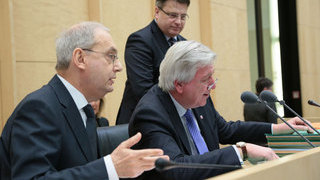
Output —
<point x="298" y="166"/>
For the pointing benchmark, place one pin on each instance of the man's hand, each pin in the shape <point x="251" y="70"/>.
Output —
<point x="295" y="122"/>
<point x="132" y="163"/>
<point x="258" y="153"/>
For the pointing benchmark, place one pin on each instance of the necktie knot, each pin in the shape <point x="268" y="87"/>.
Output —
<point x="188" y="115"/>
<point x="89" y="111"/>
<point x="171" y="41"/>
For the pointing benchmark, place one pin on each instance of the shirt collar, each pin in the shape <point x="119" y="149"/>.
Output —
<point x="167" y="37"/>
<point x="76" y="95"/>
<point x="181" y="110"/>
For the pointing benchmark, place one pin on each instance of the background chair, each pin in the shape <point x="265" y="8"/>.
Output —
<point x="110" y="137"/>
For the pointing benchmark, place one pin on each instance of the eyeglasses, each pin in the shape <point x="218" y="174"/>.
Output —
<point x="112" y="57"/>
<point x="175" y="16"/>
<point x="212" y="85"/>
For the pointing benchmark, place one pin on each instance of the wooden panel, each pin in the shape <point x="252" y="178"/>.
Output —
<point x="309" y="54"/>
<point x="37" y="23"/>
<point x="32" y="76"/>
<point x="205" y="22"/>
<point x="7" y="64"/>
<point x="232" y="68"/>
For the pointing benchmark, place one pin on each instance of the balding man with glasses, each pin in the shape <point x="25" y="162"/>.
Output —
<point x="145" y="50"/>
<point x="52" y="132"/>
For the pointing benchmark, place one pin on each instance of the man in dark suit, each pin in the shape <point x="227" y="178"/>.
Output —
<point x="178" y="116"/>
<point x="52" y="135"/>
<point x="145" y="50"/>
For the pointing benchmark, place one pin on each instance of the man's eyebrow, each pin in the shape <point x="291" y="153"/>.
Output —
<point x="113" y="49"/>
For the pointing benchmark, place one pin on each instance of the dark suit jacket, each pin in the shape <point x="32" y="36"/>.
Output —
<point x="45" y="138"/>
<point x="260" y="113"/>
<point x="145" y="50"/>
<point x="157" y="119"/>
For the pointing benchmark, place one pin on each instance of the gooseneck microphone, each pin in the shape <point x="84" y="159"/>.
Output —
<point x="270" y="97"/>
<point x="248" y="97"/>
<point x="313" y="103"/>
<point x="162" y="165"/>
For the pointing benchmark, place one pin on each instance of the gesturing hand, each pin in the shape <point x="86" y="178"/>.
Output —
<point x="132" y="163"/>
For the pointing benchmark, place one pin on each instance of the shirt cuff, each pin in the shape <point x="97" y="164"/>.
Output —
<point x="238" y="154"/>
<point x="112" y="173"/>
<point x="272" y="129"/>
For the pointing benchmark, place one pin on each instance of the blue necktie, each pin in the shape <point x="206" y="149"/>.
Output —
<point x="171" y="41"/>
<point x="195" y="133"/>
<point x="91" y="129"/>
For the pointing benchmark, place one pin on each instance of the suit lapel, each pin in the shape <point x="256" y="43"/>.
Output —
<point x="175" y="119"/>
<point x="72" y="116"/>
<point x="159" y="37"/>
<point x="205" y="127"/>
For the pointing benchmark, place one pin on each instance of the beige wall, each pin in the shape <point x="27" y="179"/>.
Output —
<point x="230" y="42"/>
<point x="308" y="13"/>
<point x="29" y="27"/>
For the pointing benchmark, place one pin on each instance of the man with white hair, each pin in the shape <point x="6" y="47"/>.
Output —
<point x="52" y="133"/>
<point x="178" y="116"/>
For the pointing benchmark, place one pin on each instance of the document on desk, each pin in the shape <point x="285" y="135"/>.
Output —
<point x="286" y="144"/>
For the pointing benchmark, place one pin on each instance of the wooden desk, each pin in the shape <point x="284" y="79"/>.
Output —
<point x="299" y="166"/>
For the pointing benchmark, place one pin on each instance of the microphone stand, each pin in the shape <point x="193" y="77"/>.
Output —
<point x="162" y="165"/>
<point x="288" y="124"/>
<point x="285" y="105"/>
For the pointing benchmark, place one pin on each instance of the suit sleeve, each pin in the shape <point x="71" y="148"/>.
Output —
<point x="139" y="60"/>
<point x="35" y="147"/>
<point x="234" y="131"/>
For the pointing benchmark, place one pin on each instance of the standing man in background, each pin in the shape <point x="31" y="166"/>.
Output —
<point x="145" y="50"/>
<point x="258" y="111"/>
<point x="52" y="134"/>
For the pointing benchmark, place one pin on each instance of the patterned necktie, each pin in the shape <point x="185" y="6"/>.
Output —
<point x="171" y="41"/>
<point x="195" y="133"/>
<point x="91" y="129"/>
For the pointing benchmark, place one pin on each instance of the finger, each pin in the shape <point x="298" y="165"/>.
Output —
<point x="301" y="128"/>
<point x="154" y="158"/>
<point x="148" y="152"/>
<point x="131" y="141"/>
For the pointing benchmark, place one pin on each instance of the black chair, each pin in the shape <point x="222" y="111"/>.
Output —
<point x="110" y="137"/>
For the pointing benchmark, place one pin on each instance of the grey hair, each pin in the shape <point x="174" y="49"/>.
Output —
<point x="182" y="61"/>
<point x="81" y="35"/>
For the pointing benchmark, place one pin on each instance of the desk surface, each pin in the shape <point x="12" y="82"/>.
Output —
<point x="302" y="165"/>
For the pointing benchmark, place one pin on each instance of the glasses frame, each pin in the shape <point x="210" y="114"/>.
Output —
<point x="110" y="56"/>
<point x="212" y="84"/>
<point x="183" y="17"/>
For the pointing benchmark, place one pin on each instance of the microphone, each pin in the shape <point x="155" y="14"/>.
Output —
<point x="270" y="97"/>
<point x="247" y="96"/>
<point x="162" y="165"/>
<point x="313" y="103"/>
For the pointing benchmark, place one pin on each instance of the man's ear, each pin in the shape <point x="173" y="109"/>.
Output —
<point x="156" y="12"/>
<point x="78" y="58"/>
<point x="179" y="86"/>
